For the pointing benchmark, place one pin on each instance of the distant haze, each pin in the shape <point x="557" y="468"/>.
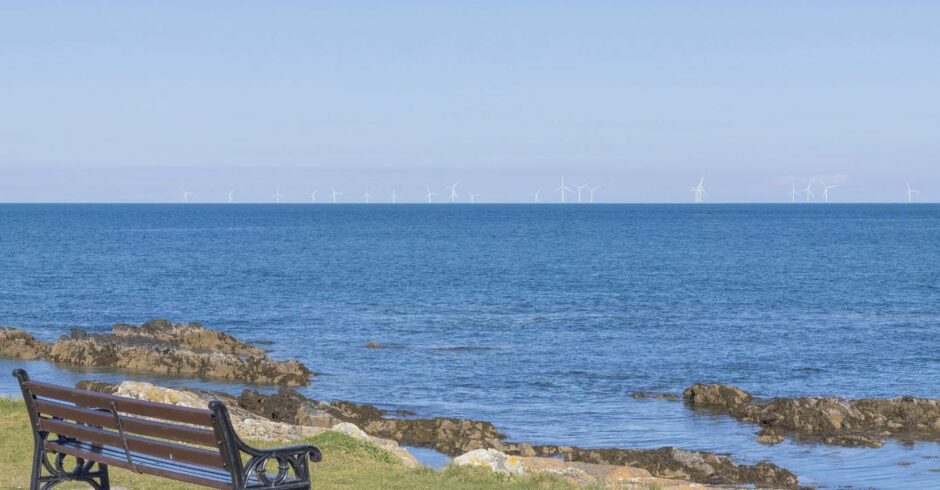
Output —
<point x="134" y="101"/>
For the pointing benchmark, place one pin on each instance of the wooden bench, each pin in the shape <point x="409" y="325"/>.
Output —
<point x="192" y="445"/>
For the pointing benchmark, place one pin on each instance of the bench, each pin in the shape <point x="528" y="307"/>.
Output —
<point x="192" y="445"/>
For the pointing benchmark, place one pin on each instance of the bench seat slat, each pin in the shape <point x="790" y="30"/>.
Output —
<point x="153" y="447"/>
<point x="165" y="469"/>
<point x="93" y="399"/>
<point x="131" y="424"/>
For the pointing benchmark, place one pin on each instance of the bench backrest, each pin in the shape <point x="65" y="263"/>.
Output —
<point x="181" y="434"/>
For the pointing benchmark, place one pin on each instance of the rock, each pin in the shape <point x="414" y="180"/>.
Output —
<point x="99" y="386"/>
<point x="578" y="473"/>
<point x="716" y="395"/>
<point x="373" y="345"/>
<point x="829" y="420"/>
<point x="192" y="336"/>
<point x="494" y="460"/>
<point x="446" y="435"/>
<point x="17" y="344"/>
<point x="769" y="437"/>
<point x="678" y="464"/>
<point x="646" y="395"/>
<point x="177" y="350"/>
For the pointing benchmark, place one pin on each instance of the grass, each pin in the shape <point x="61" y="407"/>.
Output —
<point x="347" y="464"/>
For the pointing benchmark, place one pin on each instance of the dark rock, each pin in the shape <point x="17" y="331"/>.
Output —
<point x="99" y="386"/>
<point x="646" y="395"/>
<point x="829" y="420"/>
<point x="17" y="344"/>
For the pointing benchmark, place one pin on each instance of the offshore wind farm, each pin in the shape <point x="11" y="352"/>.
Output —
<point x="582" y="194"/>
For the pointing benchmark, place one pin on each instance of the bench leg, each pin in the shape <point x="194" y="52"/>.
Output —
<point x="105" y="480"/>
<point x="37" y="466"/>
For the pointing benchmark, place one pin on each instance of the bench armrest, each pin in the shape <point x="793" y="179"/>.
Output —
<point x="309" y="452"/>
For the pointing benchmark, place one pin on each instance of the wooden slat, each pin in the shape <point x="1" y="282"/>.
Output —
<point x="162" y="470"/>
<point x="152" y="447"/>
<point x="131" y="424"/>
<point x="93" y="399"/>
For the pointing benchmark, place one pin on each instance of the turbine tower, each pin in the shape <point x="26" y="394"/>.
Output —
<point x="429" y="195"/>
<point x="563" y="188"/>
<point x="472" y="197"/>
<point x="394" y="197"/>
<point x="793" y="193"/>
<point x="699" y="191"/>
<point x="453" y="191"/>
<point x="229" y="195"/>
<point x="535" y="196"/>
<point x="186" y="195"/>
<point x="334" y="194"/>
<point x="580" y="188"/>
<point x="910" y="193"/>
<point x="367" y="197"/>
<point x="313" y="196"/>
<point x="809" y="191"/>
<point x="592" y="189"/>
<point x="278" y="196"/>
<point x="826" y="191"/>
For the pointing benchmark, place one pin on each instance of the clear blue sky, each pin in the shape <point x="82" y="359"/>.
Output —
<point x="130" y="101"/>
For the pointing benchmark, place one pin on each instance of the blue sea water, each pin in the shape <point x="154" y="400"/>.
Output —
<point x="540" y="318"/>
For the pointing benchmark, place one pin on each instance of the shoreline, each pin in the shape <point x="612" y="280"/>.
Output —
<point x="663" y="461"/>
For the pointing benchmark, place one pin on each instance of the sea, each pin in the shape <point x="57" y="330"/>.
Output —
<point x="542" y="319"/>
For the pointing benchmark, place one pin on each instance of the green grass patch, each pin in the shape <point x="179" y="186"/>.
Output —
<point x="347" y="464"/>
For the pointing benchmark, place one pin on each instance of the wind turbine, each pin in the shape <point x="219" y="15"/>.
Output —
<point x="229" y="194"/>
<point x="699" y="191"/>
<point x="592" y="189"/>
<point x="809" y="191"/>
<point x="334" y="194"/>
<point x="394" y="197"/>
<point x="793" y="193"/>
<point x="472" y="197"/>
<point x="186" y="195"/>
<point x="453" y="191"/>
<point x="910" y="193"/>
<point x="313" y="196"/>
<point x="367" y="197"/>
<point x="278" y="196"/>
<point x="563" y="188"/>
<point x="430" y="195"/>
<point x="826" y="191"/>
<point x="535" y="196"/>
<point x="580" y="188"/>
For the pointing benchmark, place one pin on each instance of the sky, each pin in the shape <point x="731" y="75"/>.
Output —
<point x="135" y="101"/>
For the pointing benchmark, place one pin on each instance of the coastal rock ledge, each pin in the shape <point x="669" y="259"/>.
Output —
<point x="829" y="420"/>
<point x="160" y="347"/>
<point x="456" y="437"/>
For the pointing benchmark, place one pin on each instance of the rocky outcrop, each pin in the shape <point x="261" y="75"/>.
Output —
<point x="247" y="425"/>
<point x="459" y="436"/>
<point x="17" y="344"/>
<point x="828" y="420"/>
<point x="165" y="348"/>
<point x="581" y="474"/>
<point x="191" y="336"/>
<point x="672" y="463"/>
<point x="449" y="436"/>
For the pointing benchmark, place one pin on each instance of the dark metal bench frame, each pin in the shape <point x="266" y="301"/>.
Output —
<point x="87" y="415"/>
